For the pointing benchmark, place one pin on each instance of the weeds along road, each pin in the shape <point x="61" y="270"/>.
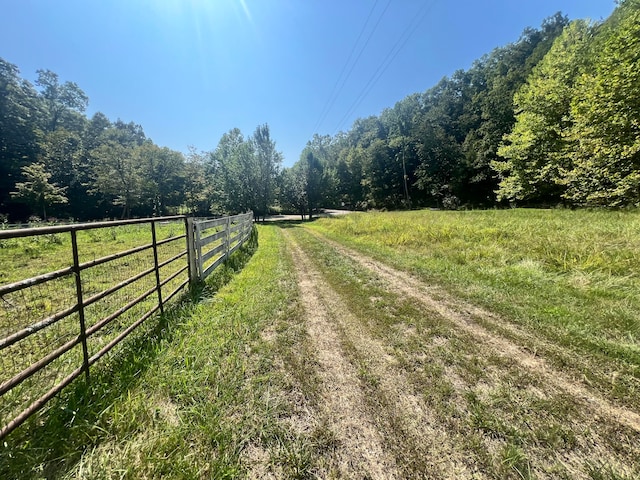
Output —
<point x="304" y="358"/>
<point x="414" y="384"/>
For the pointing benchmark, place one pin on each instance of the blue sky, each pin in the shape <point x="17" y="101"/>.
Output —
<point x="190" y="70"/>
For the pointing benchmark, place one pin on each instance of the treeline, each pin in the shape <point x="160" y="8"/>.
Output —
<point x="56" y="162"/>
<point x="553" y="118"/>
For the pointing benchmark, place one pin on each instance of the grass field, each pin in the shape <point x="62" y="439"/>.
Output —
<point x="489" y="344"/>
<point x="22" y="258"/>
<point x="571" y="277"/>
<point x="189" y="397"/>
<point x="25" y="257"/>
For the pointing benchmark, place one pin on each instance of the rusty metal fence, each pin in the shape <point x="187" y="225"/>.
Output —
<point x="77" y="303"/>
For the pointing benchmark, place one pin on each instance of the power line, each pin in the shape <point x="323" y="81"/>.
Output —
<point x="388" y="60"/>
<point x="338" y="86"/>
<point x="344" y="67"/>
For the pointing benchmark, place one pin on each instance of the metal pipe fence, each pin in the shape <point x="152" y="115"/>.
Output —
<point x="82" y="298"/>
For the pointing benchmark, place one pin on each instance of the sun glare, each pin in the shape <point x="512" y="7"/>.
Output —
<point x="212" y="8"/>
<point x="246" y="10"/>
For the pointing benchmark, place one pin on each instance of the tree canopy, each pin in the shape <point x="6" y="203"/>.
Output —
<point x="577" y="135"/>
<point x="552" y="118"/>
<point x="56" y="162"/>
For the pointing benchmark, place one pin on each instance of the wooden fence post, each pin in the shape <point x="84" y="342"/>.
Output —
<point x="243" y="230"/>
<point x="228" y="239"/>
<point x="199" y="253"/>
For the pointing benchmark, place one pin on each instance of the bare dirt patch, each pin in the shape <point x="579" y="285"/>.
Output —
<point x="360" y="452"/>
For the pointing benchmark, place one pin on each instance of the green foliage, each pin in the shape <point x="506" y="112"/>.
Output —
<point x="37" y="191"/>
<point x="313" y="181"/>
<point x="538" y="152"/>
<point x="433" y="148"/>
<point x="162" y="173"/>
<point x="62" y="103"/>
<point x="19" y="130"/>
<point x="116" y="175"/>
<point x="197" y="189"/>
<point x="293" y="189"/>
<point x="244" y="172"/>
<point x="577" y="136"/>
<point x="104" y="168"/>
<point x="606" y="109"/>
<point x="233" y="167"/>
<point x="268" y="161"/>
<point x="551" y="118"/>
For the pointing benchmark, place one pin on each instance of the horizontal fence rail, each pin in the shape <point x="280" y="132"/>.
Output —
<point x="217" y="239"/>
<point x="104" y="280"/>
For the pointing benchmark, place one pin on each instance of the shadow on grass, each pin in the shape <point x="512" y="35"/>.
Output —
<point x="290" y="223"/>
<point x="50" y="443"/>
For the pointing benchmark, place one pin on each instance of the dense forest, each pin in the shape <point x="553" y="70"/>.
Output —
<point x="551" y="119"/>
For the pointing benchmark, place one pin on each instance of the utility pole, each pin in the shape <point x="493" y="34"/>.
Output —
<point x="404" y="177"/>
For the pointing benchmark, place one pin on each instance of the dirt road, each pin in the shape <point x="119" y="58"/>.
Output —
<point x="325" y="213"/>
<point x="413" y="384"/>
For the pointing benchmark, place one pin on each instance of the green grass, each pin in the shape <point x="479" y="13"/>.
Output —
<point x="192" y="397"/>
<point x="224" y="384"/>
<point x="506" y="422"/>
<point x="570" y="277"/>
<point x="24" y="257"/>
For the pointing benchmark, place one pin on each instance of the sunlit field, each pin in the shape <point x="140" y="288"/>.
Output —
<point x="571" y="277"/>
<point x="489" y="344"/>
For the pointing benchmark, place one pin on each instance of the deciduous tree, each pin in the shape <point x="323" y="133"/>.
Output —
<point x="63" y="102"/>
<point x="606" y="112"/>
<point x="268" y="161"/>
<point x="37" y="190"/>
<point x="538" y="153"/>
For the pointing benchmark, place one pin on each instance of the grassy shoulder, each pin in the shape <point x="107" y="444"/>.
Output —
<point x="196" y="397"/>
<point x="570" y="277"/>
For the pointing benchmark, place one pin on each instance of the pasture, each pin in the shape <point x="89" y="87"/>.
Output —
<point x="569" y="277"/>
<point x="42" y="329"/>
<point x="481" y="344"/>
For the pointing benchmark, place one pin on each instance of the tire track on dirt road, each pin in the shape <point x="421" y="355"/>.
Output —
<point x="361" y="453"/>
<point x="423" y="448"/>
<point x="459" y="314"/>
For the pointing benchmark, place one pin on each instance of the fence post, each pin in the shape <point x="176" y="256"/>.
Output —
<point x="243" y="230"/>
<point x="154" y="240"/>
<point x="199" y="251"/>
<point x="228" y="239"/>
<point x="191" y="253"/>
<point x="83" y="330"/>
